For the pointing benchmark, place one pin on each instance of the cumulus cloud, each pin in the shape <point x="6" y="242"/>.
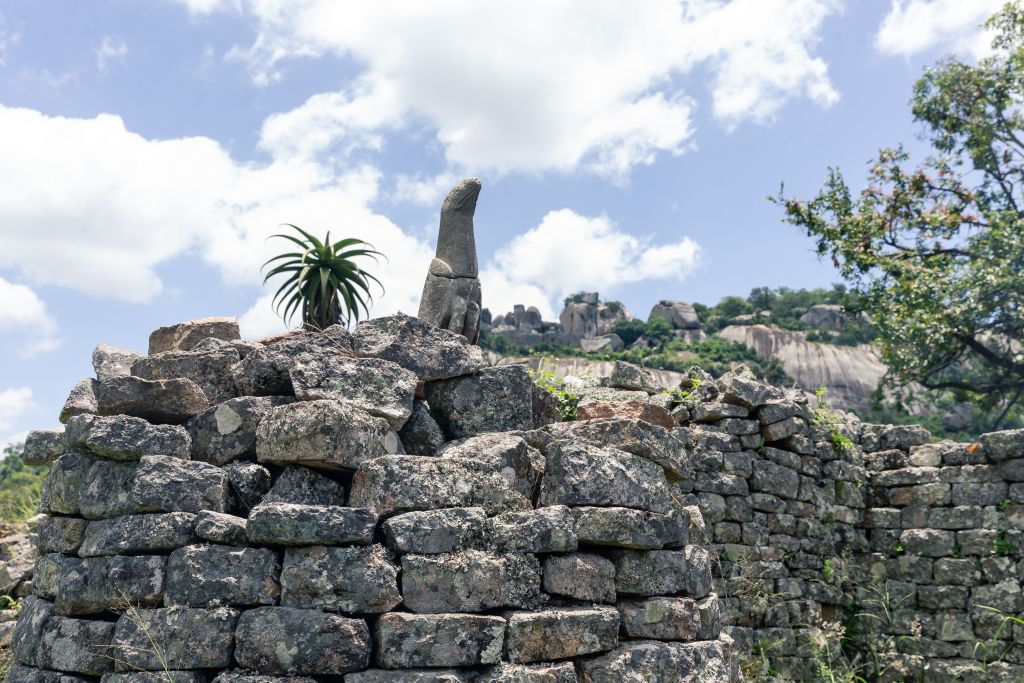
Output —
<point x="567" y="252"/>
<point x="535" y="85"/>
<point x="23" y="315"/>
<point x="914" y="26"/>
<point x="111" y="49"/>
<point x="93" y="207"/>
<point x="14" y="403"/>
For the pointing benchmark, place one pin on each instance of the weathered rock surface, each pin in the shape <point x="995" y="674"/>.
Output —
<point x="546" y="530"/>
<point x="81" y="400"/>
<point x="679" y="314"/>
<point x="98" y="584"/>
<point x="292" y="524"/>
<point x="350" y="579"/>
<point x="638" y="410"/>
<point x="162" y="401"/>
<point x="121" y="437"/>
<point x="218" y="527"/>
<point x="421" y="435"/>
<point x="133" y="534"/>
<point x="175" y="638"/>
<point x="248" y="483"/>
<point x="379" y="387"/>
<point x="634" y="436"/>
<point x="497" y="399"/>
<point x="303" y="486"/>
<point x="60" y="535"/>
<point x="469" y="581"/>
<point x="508" y="454"/>
<point x="227" y="431"/>
<point x="112" y="361"/>
<point x="286" y="641"/>
<point x="438" y="531"/>
<point x="217" y="575"/>
<point x="265" y="371"/>
<point x="650" y="572"/>
<point x="584" y="475"/>
<point x="186" y="336"/>
<point x="563" y="672"/>
<point x="43" y="447"/>
<point x="431" y="352"/>
<point x="628" y="528"/>
<point x="395" y="484"/>
<point x="560" y="633"/>
<point x="581" y="576"/>
<point x="210" y="370"/>
<point x="164" y="484"/>
<point x="700" y="662"/>
<point x="325" y="434"/>
<point x="411" y="640"/>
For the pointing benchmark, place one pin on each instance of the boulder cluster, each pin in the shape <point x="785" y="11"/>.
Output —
<point x="378" y="505"/>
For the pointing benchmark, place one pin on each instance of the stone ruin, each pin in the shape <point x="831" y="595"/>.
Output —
<point x="377" y="506"/>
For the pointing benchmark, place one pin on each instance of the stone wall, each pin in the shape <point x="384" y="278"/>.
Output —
<point x="377" y="506"/>
<point x="833" y="534"/>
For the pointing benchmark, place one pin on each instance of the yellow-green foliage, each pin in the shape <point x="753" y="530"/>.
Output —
<point x="20" y="486"/>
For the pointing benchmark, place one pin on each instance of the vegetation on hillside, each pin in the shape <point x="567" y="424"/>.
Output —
<point x="20" y="486"/>
<point x="936" y="250"/>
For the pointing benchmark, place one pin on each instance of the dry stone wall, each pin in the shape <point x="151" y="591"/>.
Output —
<point x="377" y="506"/>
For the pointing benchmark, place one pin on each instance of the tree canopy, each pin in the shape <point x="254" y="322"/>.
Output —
<point x="936" y="249"/>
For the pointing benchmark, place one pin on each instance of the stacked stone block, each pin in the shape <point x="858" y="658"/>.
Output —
<point x="223" y="509"/>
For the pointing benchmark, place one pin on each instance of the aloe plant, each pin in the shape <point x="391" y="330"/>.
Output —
<point x="323" y="282"/>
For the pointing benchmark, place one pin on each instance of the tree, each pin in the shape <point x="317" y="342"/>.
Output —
<point x="936" y="251"/>
<point x="322" y="281"/>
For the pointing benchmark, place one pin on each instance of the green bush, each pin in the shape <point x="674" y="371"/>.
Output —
<point x="20" y="486"/>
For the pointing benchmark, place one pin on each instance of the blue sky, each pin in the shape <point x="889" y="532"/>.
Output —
<point x="147" y="150"/>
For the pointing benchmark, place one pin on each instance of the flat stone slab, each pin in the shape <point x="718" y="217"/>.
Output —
<point x="432" y="353"/>
<point x="136" y="534"/>
<point x="410" y="640"/>
<point x="209" y="369"/>
<point x="581" y="576"/>
<point x="325" y="434"/>
<point x="162" y="401"/>
<point x="187" y="639"/>
<point x="227" y="431"/>
<point x="77" y="646"/>
<point x="351" y="579"/>
<point x="431" y="532"/>
<point x="99" y="584"/>
<point x="122" y="437"/>
<point x="220" y="576"/>
<point x="560" y="633"/>
<point x="282" y="640"/>
<point x="409" y="676"/>
<point x="42" y="447"/>
<point x="218" y="527"/>
<point x="629" y="528"/>
<point x="650" y="572"/>
<point x="469" y="581"/>
<point x="545" y="530"/>
<point x="60" y="535"/>
<point x="19" y="673"/>
<point x="379" y="387"/>
<point x="498" y="399"/>
<point x="290" y="524"/>
<point x="699" y="662"/>
<point x="660" y="618"/>
<point x="396" y="484"/>
<point x="83" y="484"/>
<point x="634" y="436"/>
<point x="164" y="484"/>
<point x="81" y="400"/>
<point x="187" y="335"/>
<point x="579" y="475"/>
<point x="265" y="371"/>
<point x="519" y="464"/>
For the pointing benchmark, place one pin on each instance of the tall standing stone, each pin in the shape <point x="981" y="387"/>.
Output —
<point x="451" y="293"/>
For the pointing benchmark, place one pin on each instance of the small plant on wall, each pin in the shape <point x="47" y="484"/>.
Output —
<point x="323" y="283"/>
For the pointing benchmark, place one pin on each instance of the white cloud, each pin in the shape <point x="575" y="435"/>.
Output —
<point x="93" y="207"/>
<point x="111" y="49"/>
<point x="915" y="26"/>
<point x="23" y="314"/>
<point x="535" y="85"/>
<point x="8" y="39"/>
<point x="568" y="252"/>
<point x="420" y="189"/>
<point x="13" y="404"/>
